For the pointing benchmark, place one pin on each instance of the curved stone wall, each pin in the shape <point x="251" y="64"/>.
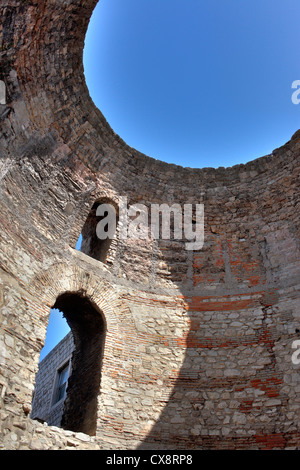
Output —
<point x="198" y="349"/>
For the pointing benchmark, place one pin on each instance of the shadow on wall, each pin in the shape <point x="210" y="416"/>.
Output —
<point x="216" y="388"/>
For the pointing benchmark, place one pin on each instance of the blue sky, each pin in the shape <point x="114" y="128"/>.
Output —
<point x="56" y="331"/>
<point x="197" y="83"/>
<point x="193" y="82"/>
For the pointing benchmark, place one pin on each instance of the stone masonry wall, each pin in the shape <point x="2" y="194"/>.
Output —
<point x="198" y="345"/>
<point x="43" y="407"/>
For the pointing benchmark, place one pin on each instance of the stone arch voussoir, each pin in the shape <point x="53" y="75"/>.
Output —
<point x="63" y="277"/>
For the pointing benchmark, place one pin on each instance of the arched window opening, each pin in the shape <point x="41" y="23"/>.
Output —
<point x="68" y="380"/>
<point x="88" y="328"/>
<point x="100" y="230"/>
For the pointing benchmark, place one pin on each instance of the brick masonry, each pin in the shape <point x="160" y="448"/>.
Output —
<point x="198" y="345"/>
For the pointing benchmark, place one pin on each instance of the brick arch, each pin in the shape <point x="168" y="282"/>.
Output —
<point x="63" y="277"/>
<point x="70" y="278"/>
<point x="115" y="324"/>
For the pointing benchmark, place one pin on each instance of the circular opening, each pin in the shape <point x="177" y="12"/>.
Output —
<point x="198" y="83"/>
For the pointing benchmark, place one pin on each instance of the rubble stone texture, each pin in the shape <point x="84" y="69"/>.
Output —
<point x="196" y="345"/>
